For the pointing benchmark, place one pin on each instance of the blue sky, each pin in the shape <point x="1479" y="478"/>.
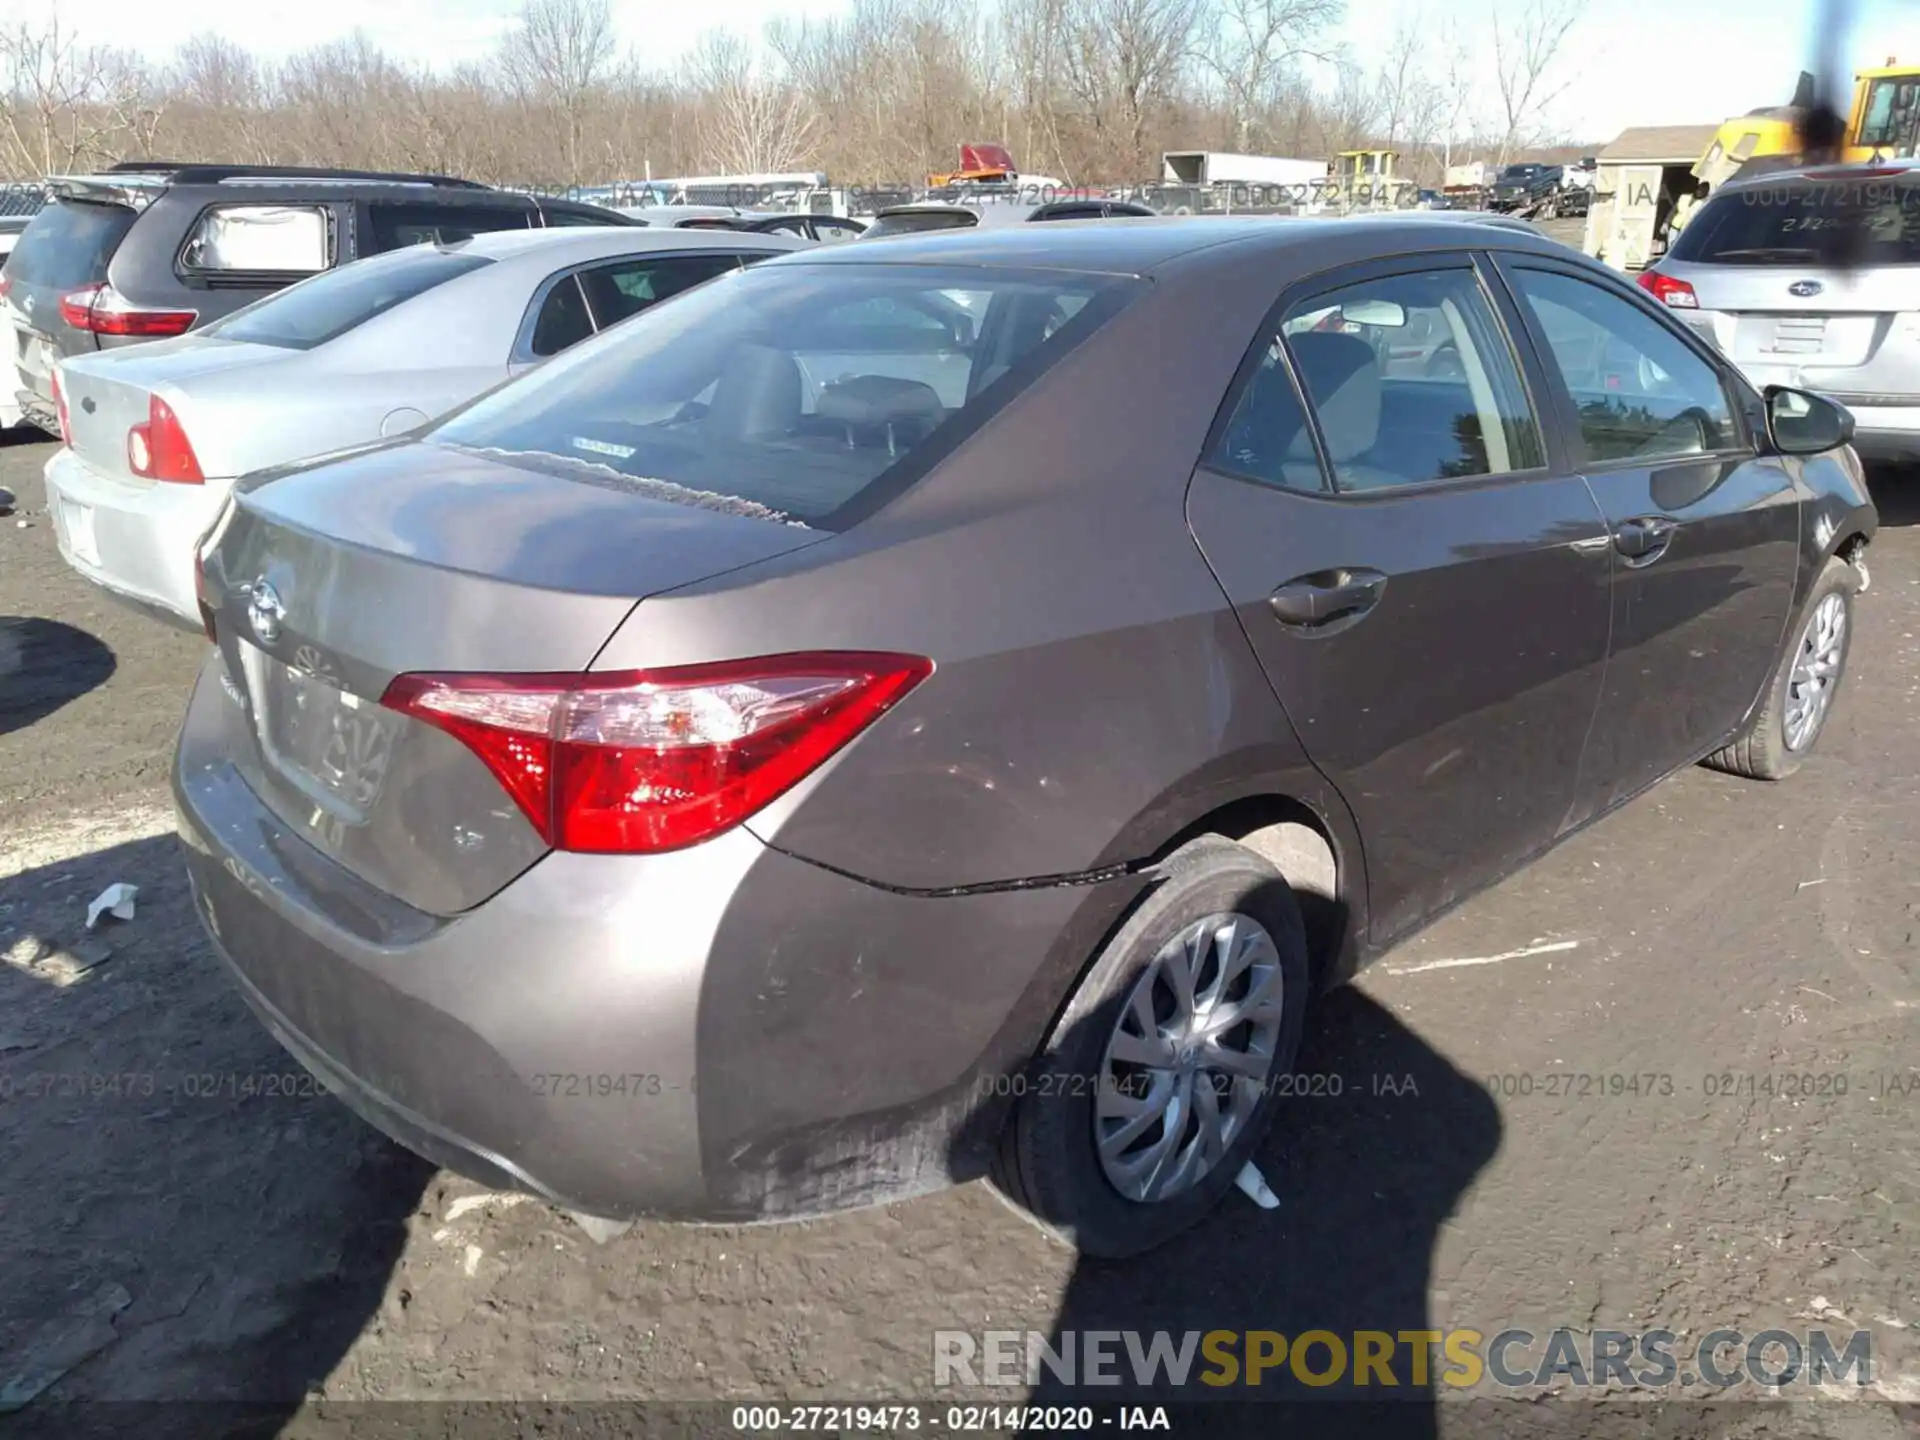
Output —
<point x="1632" y="62"/>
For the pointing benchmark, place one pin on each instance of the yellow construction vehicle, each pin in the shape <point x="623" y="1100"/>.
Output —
<point x="1883" y="123"/>
<point x="1364" y="180"/>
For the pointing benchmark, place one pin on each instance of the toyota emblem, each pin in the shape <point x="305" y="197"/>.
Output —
<point x="1805" y="288"/>
<point x="264" y="611"/>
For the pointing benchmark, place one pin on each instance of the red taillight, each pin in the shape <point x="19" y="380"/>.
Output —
<point x="645" y="761"/>
<point x="159" y="449"/>
<point x="103" y="310"/>
<point x="60" y="409"/>
<point x="6" y="286"/>
<point x="1669" y="291"/>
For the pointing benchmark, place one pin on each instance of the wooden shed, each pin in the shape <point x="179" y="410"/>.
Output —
<point x="1639" y="178"/>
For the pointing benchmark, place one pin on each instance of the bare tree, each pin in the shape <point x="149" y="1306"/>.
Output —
<point x="557" y="55"/>
<point x="749" y="123"/>
<point x="1526" y="54"/>
<point x="64" y="104"/>
<point x="1457" y="121"/>
<point x="1409" y="99"/>
<point x="1352" y="111"/>
<point x="1256" y="45"/>
<point x="1122" y="60"/>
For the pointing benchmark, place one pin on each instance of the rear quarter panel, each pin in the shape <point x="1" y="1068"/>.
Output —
<point x="1093" y="691"/>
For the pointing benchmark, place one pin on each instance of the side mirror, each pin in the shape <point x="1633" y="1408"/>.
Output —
<point x="1802" y="423"/>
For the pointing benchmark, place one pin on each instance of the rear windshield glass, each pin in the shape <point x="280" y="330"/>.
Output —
<point x="788" y="390"/>
<point x="327" y="306"/>
<point x="69" y="243"/>
<point x="1874" y="222"/>
<point x="919" y="222"/>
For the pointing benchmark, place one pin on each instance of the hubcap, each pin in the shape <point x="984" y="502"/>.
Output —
<point x="1188" y="1059"/>
<point x="1816" y="671"/>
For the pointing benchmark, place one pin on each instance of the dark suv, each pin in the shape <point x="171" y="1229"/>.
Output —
<point x="150" y="249"/>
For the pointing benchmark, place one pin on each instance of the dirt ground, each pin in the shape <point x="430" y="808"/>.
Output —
<point x="181" y="1217"/>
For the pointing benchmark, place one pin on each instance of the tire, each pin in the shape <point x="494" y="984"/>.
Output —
<point x="1762" y="750"/>
<point x="1049" y="1162"/>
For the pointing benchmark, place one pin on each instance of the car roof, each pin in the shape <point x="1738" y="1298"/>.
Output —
<point x="568" y="244"/>
<point x="1002" y="212"/>
<point x="1782" y="169"/>
<point x="1143" y="245"/>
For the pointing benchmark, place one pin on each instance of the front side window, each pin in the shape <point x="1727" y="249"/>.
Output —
<point x="330" y="304"/>
<point x="1893" y="107"/>
<point x="788" y="390"/>
<point x="1410" y="378"/>
<point x="623" y="289"/>
<point x="1641" y="392"/>
<point x="260" y="239"/>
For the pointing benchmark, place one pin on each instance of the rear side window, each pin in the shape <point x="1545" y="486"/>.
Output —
<point x="563" y="320"/>
<point x="396" y="226"/>
<point x="329" y="305"/>
<point x="789" y="391"/>
<point x="1787" y="224"/>
<point x="582" y="215"/>
<point x="68" y="244"/>
<point x="260" y="239"/>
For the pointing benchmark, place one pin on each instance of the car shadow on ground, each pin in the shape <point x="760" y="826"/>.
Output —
<point x="1369" y="1157"/>
<point x="44" y="665"/>
<point x="184" y="1215"/>
<point x="1896" y="493"/>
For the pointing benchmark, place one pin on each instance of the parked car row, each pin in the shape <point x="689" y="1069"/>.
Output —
<point x="904" y="712"/>
<point x="1811" y="278"/>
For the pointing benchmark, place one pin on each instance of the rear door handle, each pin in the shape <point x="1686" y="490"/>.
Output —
<point x="1325" y="596"/>
<point x="1644" y="538"/>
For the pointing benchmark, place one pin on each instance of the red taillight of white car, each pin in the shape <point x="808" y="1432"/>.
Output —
<point x="645" y="761"/>
<point x="103" y="310"/>
<point x="1669" y="291"/>
<point x="160" y="450"/>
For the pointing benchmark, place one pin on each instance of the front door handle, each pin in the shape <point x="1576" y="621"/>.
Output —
<point x="1644" y="538"/>
<point x="1325" y="596"/>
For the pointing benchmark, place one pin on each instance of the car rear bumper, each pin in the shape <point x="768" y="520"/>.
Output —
<point x="721" y="1033"/>
<point x="135" y="540"/>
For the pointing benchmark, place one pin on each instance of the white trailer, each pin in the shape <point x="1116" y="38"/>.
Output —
<point x="1214" y="167"/>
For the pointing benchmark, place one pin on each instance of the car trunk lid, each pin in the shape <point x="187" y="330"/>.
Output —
<point x="328" y="583"/>
<point x="110" y="392"/>
<point x="1816" y="325"/>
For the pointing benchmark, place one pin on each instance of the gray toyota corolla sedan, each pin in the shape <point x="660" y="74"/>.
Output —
<point x="903" y="713"/>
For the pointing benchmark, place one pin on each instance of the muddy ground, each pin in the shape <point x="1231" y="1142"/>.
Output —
<point x="234" y="1236"/>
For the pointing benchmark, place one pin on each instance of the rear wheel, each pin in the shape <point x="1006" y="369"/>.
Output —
<point x="1788" y="724"/>
<point x="1159" y="1079"/>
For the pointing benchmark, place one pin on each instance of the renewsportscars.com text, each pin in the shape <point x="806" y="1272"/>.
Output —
<point x="1377" y="1360"/>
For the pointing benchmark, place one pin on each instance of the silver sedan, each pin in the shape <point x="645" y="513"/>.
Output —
<point x="154" y="435"/>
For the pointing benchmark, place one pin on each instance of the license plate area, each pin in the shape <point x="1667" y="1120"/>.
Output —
<point x="328" y="743"/>
<point x="34" y="351"/>
<point x="76" y="528"/>
<point x="1826" y="339"/>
